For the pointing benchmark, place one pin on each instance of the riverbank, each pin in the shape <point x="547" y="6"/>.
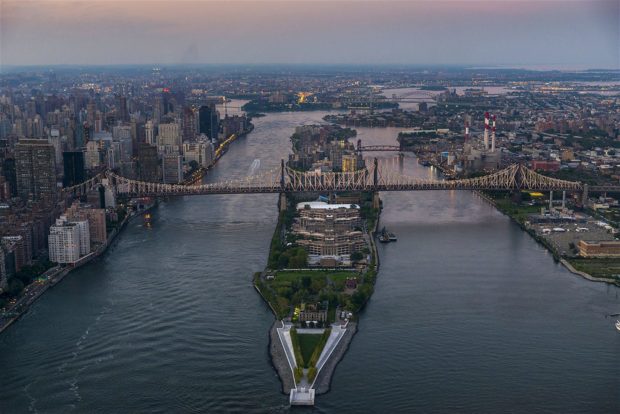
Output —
<point x="58" y="273"/>
<point x="565" y="262"/>
<point x="198" y="175"/>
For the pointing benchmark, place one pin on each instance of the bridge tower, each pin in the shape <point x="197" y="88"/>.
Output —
<point x="376" y="201"/>
<point x="516" y="191"/>
<point x="585" y="196"/>
<point x="282" y="202"/>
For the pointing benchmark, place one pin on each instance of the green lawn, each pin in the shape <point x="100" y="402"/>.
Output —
<point x="519" y="212"/>
<point x="290" y="276"/>
<point x="605" y="268"/>
<point x="307" y="343"/>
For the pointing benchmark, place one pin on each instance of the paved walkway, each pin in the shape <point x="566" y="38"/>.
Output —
<point x="287" y="343"/>
<point x="334" y="338"/>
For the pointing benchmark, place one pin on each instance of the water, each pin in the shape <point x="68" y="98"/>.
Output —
<point x="469" y="313"/>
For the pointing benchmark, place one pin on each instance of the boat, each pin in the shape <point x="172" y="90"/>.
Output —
<point x="618" y="325"/>
<point x="392" y="237"/>
<point x="384" y="237"/>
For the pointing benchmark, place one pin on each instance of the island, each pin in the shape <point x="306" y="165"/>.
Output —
<point x="322" y="267"/>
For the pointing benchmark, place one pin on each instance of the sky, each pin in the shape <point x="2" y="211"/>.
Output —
<point x="553" y="33"/>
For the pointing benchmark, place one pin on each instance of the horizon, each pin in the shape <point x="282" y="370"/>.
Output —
<point x="462" y="33"/>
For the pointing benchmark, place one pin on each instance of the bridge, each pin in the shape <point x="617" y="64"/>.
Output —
<point x="414" y="96"/>
<point x="376" y="148"/>
<point x="377" y="177"/>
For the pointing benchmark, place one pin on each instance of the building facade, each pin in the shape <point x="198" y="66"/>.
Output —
<point x="35" y="166"/>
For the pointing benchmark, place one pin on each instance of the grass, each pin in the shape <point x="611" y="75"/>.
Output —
<point x="518" y="212"/>
<point x="603" y="268"/>
<point x="296" y="275"/>
<point x="307" y="344"/>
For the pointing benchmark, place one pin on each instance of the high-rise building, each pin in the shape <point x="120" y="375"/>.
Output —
<point x="93" y="155"/>
<point x="171" y="167"/>
<point x="73" y="168"/>
<point x="201" y="152"/>
<point x="189" y="124"/>
<point x="209" y="121"/>
<point x="169" y="137"/>
<point x="8" y="170"/>
<point x="35" y="167"/>
<point x="95" y="218"/>
<point x="148" y="163"/>
<point x="64" y="242"/>
<point x="84" y="234"/>
<point x="149" y="133"/>
<point x="122" y="113"/>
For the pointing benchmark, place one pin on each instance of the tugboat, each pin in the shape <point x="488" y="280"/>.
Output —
<point x="384" y="237"/>
<point x="618" y="325"/>
<point x="392" y="237"/>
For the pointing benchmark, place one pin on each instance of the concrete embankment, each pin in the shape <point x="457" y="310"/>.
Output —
<point x="324" y="379"/>
<point x="278" y="359"/>
<point x="584" y="274"/>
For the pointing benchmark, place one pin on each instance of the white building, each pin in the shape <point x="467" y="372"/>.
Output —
<point x="84" y="230"/>
<point x="64" y="242"/>
<point x="201" y="152"/>
<point x="68" y="240"/>
<point x="149" y="131"/>
<point x="169" y="137"/>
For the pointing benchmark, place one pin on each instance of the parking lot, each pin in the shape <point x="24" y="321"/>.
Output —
<point x="564" y="237"/>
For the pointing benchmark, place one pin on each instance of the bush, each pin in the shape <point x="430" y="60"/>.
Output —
<point x="319" y="349"/>
<point x="311" y="374"/>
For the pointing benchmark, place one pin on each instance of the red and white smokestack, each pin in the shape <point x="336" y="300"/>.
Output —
<point x="486" y="131"/>
<point x="493" y="136"/>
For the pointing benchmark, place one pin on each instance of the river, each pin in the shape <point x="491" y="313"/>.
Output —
<point x="469" y="313"/>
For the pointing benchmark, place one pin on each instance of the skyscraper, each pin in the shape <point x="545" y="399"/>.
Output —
<point x="209" y="122"/>
<point x="73" y="167"/>
<point x="35" y="167"/>
<point x="171" y="167"/>
<point x="148" y="163"/>
<point x="169" y="138"/>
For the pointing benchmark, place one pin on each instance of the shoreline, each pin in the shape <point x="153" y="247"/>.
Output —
<point x="277" y="354"/>
<point x="62" y="272"/>
<point x="556" y="256"/>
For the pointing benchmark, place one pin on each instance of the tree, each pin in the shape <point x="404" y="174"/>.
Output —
<point x="15" y="286"/>
<point x="356" y="256"/>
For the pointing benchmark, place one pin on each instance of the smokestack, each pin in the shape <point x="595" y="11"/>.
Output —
<point x="466" y="131"/>
<point x="493" y="136"/>
<point x="486" y="131"/>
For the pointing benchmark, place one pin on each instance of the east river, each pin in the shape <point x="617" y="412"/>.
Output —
<point x="469" y="313"/>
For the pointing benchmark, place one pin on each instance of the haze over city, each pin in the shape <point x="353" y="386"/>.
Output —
<point x="540" y="34"/>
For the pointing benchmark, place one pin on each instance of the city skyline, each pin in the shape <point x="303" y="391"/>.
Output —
<point x="583" y="34"/>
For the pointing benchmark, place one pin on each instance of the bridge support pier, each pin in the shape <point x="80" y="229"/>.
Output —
<point x="282" y="203"/>
<point x="376" y="201"/>
<point x="585" y="196"/>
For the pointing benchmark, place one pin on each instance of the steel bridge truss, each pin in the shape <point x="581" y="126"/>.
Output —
<point x="378" y="177"/>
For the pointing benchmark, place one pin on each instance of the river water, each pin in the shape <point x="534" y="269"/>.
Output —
<point x="469" y="313"/>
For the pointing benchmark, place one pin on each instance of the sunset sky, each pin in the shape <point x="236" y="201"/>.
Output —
<point x="583" y="33"/>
